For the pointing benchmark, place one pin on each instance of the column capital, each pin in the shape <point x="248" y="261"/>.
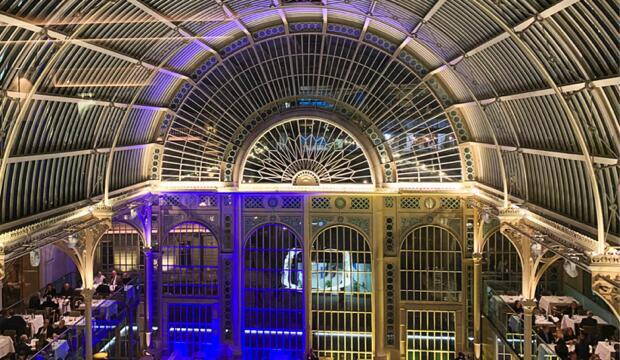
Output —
<point x="477" y="258"/>
<point x="88" y="294"/>
<point x="529" y="305"/>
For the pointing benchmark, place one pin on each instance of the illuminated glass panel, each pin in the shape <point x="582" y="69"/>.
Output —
<point x="306" y="152"/>
<point x="341" y="295"/>
<point x="190" y="261"/>
<point x="430" y="335"/>
<point x="119" y="249"/>
<point x="501" y="261"/>
<point x="431" y="266"/>
<point x="273" y="320"/>
<point x="192" y="328"/>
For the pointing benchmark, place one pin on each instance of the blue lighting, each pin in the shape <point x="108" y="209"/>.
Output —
<point x="273" y="332"/>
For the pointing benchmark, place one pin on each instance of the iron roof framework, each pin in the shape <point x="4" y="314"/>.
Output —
<point x="90" y="88"/>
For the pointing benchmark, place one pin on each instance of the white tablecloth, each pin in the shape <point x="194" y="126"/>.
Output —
<point x="35" y="322"/>
<point x="567" y="322"/>
<point x="73" y="320"/>
<point x="6" y="346"/>
<point x="542" y="320"/>
<point x="604" y="349"/>
<point x="547" y="302"/>
<point x="510" y="299"/>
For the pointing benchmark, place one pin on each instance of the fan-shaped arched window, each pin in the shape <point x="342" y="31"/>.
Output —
<point x="341" y="294"/>
<point x="273" y="298"/>
<point x="190" y="261"/>
<point x="431" y="266"/>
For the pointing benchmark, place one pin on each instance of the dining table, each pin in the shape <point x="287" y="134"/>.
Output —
<point x="604" y="349"/>
<point x="548" y="302"/>
<point x="6" y="346"/>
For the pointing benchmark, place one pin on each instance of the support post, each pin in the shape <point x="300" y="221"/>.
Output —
<point x="477" y="300"/>
<point x="148" y="296"/>
<point x="378" y="280"/>
<point x="88" y="318"/>
<point x="528" y="310"/>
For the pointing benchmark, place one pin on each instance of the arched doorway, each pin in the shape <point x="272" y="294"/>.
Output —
<point x="431" y="290"/>
<point x="342" y="294"/>
<point x="189" y="273"/>
<point x="273" y="321"/>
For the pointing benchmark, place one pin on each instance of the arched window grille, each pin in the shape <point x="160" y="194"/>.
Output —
<point x="430" y="334"/>
<point x="431" y="266"/>
<point x="119" y="249"/>
<point x="190" y="261"/>
<point x="502" y="264"/>
<point x="273" y="320"/>
<point x="342" y="294"/>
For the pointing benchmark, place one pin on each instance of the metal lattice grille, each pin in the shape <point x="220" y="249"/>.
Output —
<point x="341" y="294"/>
<point x="192" y="328"/>
<point x="190" y="261"/>
<point x="306" y="152"/>
<point x="431" y="265"/>
<point x="502" y="262"/>
<point x="119" y="249"/>
<point x="273" y="320"/>
<point x="430" y="335"/>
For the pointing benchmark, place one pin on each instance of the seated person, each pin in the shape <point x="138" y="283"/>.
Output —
<point x="47" y="330"/>
<point x="590" y="320"/>
<point x="23" y="347"/>
<point x="546" y="333"/>
<point x="49" y="291"/>
<point x="126" y="278"/>
<point x="582" y="348"/>
<point x="12" y="322"/>
<point x="49" y="303"/>
<point x="115" y="281"/>
<point x="569" y="334"/>
<point x="572" y="310"/>
<point x="518" y="306"/>
<point x="616" y="354"/>
<point x="99" y="279"/>
<point x="35" y="301"/>
<point x="561" y="349"/>
<point x="61" y="328"/>
<point x="67" y="290"/>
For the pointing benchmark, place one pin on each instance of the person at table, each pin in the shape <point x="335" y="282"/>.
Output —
<point x="460" y="356"/>
<point x="12" y="322"/>
<point x="34" y="302"/>
<point x="49" y="291"/>
<point x="61" y="328"/>
<point x="67" y="290"/>
<point x="23" y="347"/>
<point x="582" y="348"/>
<point x="569" y="334"/>
<point x="49" y="303"/>
<point x="589" y="320"/>
<point x="115" y="281"/>
<point x="99" y="279"/>
<point x="616" y="352"/>
<point x="572" y="310"/>
<point x="46" y="331"/>
<point x="518" y="306"/>
<point x="126" y="278"/>
<point x="547" y="334"/>
<point x="561" y="349"/>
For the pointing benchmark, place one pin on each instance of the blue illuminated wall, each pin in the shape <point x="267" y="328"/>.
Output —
<point x="273" y="321"/>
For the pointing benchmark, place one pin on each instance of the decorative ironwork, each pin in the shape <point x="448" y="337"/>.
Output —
<point x="306" y="152"/>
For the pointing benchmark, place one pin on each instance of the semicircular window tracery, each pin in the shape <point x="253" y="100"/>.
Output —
<point x="306" y="152"/>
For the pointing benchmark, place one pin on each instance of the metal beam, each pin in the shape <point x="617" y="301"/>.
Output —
<point x="605" y="161"/>
<point x="36" y="157"/>
<point x="231" y="14"/>
<point x="162" y="19"/>
<point x="79" y="100"/>
<point x="24" y="24"/>
<point x="565" y="89"/>
<point x="505" y="35"/>
<point x="428" y="16"/>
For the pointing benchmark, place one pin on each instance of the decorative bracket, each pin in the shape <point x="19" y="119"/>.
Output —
<point x="606" y="278"/>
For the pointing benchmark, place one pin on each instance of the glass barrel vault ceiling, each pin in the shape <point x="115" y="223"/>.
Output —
<point x="97" y="97"/>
